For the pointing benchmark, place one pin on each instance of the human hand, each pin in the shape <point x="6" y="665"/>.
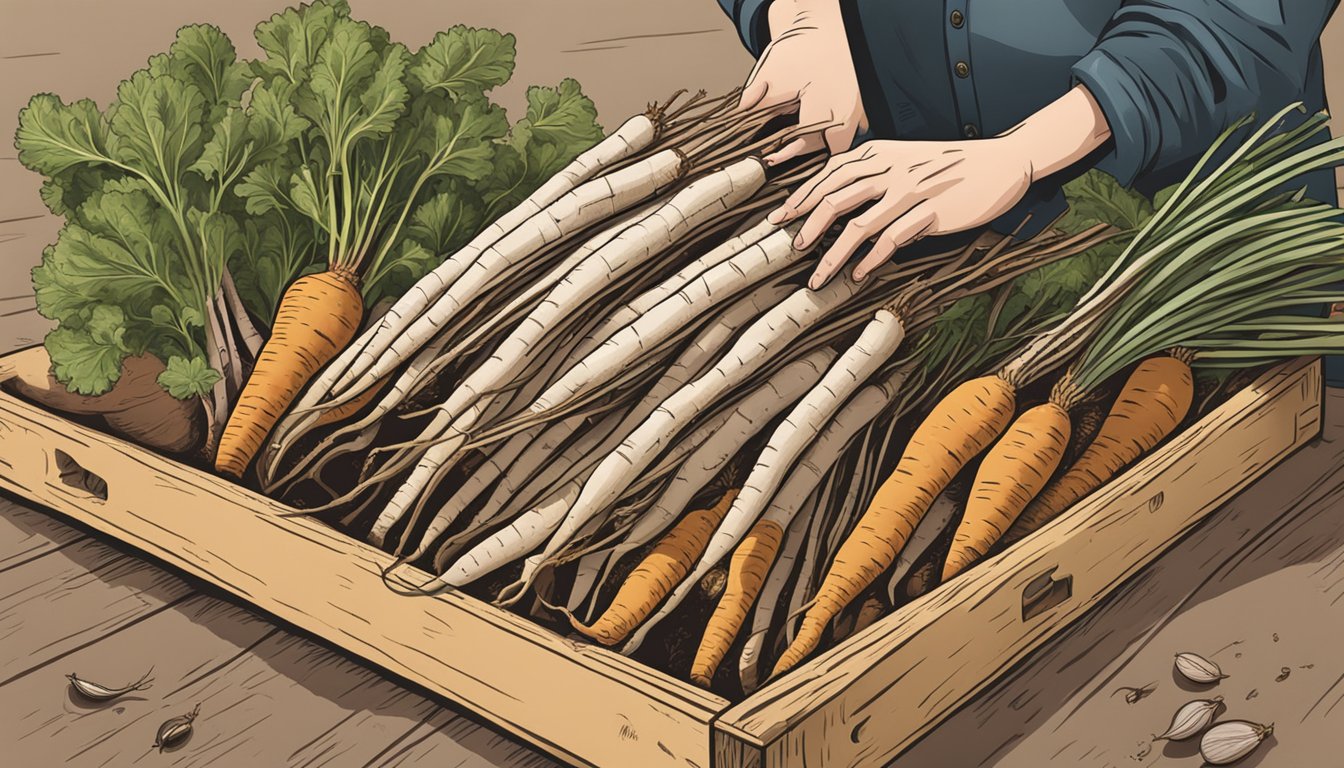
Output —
<point x="922" y="188"/>
<point x="917" y="189"/>
<point x="808" y="59"/>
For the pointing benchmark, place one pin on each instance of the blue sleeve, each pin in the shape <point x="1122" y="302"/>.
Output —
<point x="750" y="18"/>
<point x="1170" y="76"/>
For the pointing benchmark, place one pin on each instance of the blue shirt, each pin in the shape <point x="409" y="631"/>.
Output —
<point x="1169" y="76"/>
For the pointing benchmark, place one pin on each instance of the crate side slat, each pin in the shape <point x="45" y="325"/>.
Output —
<point x="864" y="701"/>
<point x="580" y="702"/>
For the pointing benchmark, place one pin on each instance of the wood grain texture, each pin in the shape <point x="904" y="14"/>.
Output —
<point x="46" y="610"/>
<point x="267" y="697"/>
<point x="864" y="701"/>
<point x="448" y="739"/>
<point x="26" y="534"/>
<point x="599" y="706"/>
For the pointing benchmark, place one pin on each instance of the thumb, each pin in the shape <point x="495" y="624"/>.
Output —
<point x="753" y="92"/>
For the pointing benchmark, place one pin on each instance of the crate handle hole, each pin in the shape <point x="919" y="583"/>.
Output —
<point x="1045" y="592"/>
<point x="79" y="478"/>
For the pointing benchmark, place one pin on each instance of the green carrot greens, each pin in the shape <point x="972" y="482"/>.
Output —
<point x="210" y="184"/>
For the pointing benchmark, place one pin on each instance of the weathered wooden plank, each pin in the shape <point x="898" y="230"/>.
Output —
<point x="1257" y="588"/>
<point x="864" y="701"/>
<point x="48" y="725"/>
<point x="266" y="696"/>
<point x="487" y="659"/>
<point x="26" y="534"/>
<point x="448" y="739"/>
<point x="73" y="596"/>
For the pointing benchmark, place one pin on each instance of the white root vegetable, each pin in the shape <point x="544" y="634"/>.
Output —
<point x="703" y="465"/>
<point x="585" y="580"/>
<point x="620" y="469"/>
<point x="578" y="209"/>
<point x="766" y="338"/>
<point x="781" y="571"/>
<point x="720" y="253"/>
<point x="690" y="363"/>
<point x="538" y="287"/>
<point x="702" y="199"/>
<point x="634" y="135"/>
<point x="526" y="481"/>
<point x="531" y="568"/>
<point x="426" y="362"/>
<point x="755" y="263"/>
<point x="805" y="424"/>
<point x="774" y="482"/>
<point x="832" y="529"/>
<point x="475" y="484"/>
<point x="514" y="540"/>
<point x="489" y="407"/>
<point x="934" y="522"/>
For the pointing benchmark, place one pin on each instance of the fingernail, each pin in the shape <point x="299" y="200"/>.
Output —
<point x="776" y="216"/>
<point x="799" y="242"/>
<point x="860" y="276"/>
<point x="815" y="282"/>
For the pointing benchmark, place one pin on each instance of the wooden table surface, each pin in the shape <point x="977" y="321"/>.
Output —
<point x="1260" y="587"/>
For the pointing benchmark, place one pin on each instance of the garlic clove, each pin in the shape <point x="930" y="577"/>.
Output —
<point x="174" y="731"/>
<point x="1230" y="741"/>
<point x="1192" y="718"/>
<point x="1198" y="669"/>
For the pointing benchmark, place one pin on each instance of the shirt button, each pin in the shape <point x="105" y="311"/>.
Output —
<point x="962" y="69"/>
<point x="958" y="18"/>
<point x="970" y="130"/>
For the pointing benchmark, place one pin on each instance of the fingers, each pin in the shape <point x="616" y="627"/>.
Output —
<point x="837" y="172"/>
<point x="860" y="229"/>
<point x="803" y="145"/>
<point x="906" y="229"/>
<point x="752" y="92"/>
<point x="831" y="208"/>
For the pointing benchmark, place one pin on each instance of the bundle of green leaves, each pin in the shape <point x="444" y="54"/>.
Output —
<point x="336" y="147"/>
<point x="143" y="187"/>
<point x="401" y="157"/>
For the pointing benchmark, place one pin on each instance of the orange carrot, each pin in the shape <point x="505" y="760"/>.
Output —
<point x="1012" y="473"/>
<point x="318" y="315"/>
<point x="1153" y="402"/>
<point x="656" y="575"/>
<point x="961" y="426"/>
<point x="746" y="574"/>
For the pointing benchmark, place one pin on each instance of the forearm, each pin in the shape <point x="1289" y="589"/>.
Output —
<point x="1171" y="75"/>
<point x="1060" y="134"/>
<point x="789" y="14"/>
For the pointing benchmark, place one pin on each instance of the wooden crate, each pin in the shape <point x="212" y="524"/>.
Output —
<point x="859" y="704"/>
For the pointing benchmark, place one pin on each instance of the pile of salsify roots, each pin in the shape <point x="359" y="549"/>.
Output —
<point x="622" y="393"/>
